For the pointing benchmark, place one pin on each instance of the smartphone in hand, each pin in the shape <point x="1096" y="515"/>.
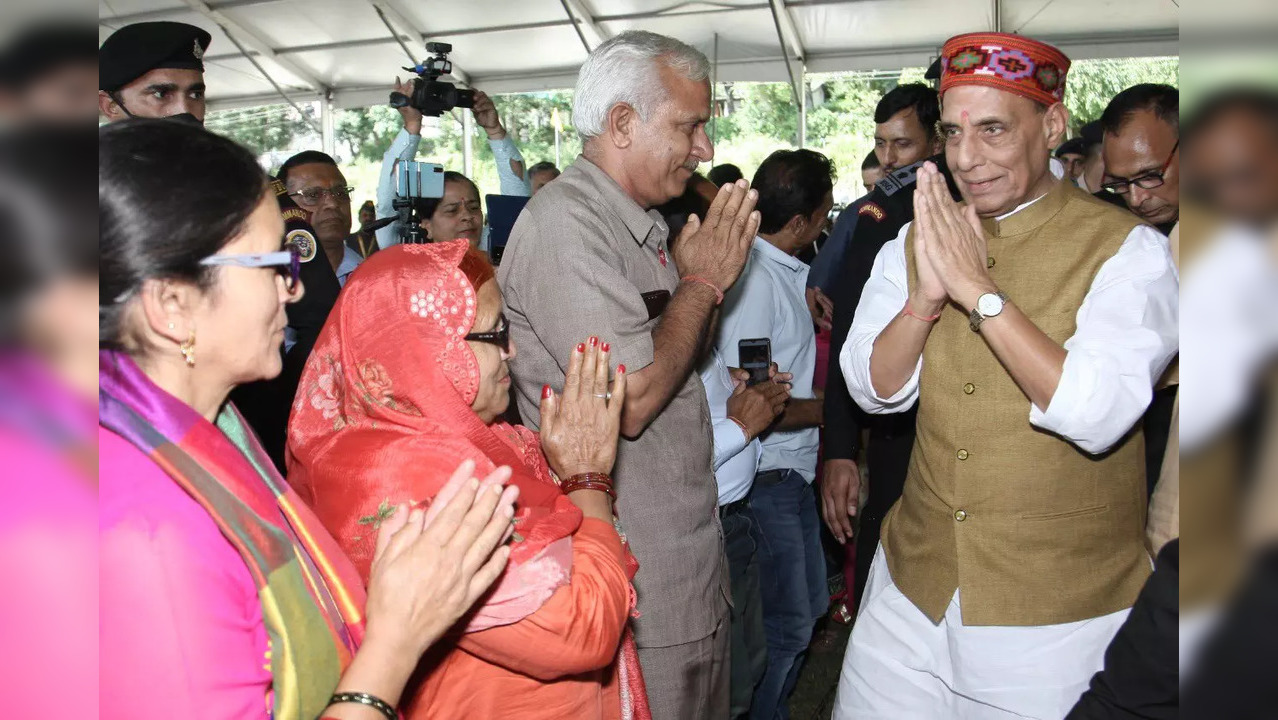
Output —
<point x="755" y="356"/>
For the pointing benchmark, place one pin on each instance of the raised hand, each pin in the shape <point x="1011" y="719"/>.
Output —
<point x="412" y="117"/>
<point x="579" y="429"/>
<point x="930" y="295"/>
<point x="485" y="113"/>
<point x="429" y="568"/>
<point x="716" y="248"/>
<point x="958" y="255"/>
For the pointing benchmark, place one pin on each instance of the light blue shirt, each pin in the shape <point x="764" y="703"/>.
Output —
<point x="350" y="261"/>
<point x="768" y="301"/>
<point x="735" y="460"/>
<point x="404" y="147"/>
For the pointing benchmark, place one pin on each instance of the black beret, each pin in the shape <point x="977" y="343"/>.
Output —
<point x="933" y="71"/>
<point x="134" y="50"/>
<point x="45" y="48"/>
<point x="1075" y="146"/>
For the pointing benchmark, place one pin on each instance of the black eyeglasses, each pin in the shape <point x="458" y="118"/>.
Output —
<point x="1146" y="181"/>
<point x="315" y="195"/>
<point x="287" y="262"/>
<point x="499" y="336"/>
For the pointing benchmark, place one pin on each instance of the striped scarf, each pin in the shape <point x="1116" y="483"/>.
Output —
<point x="312" y="600"/>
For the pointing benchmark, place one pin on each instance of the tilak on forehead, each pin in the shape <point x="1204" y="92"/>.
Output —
<point x="1011" y="63"/>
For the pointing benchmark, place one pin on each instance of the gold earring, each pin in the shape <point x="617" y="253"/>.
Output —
<point x="188" y="350"/>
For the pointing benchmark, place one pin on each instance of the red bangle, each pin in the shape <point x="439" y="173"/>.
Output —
<point x="741" y="425"/>
<point x="589" y="481"/>
<point x="698" y="279"/>
<point x="907" y="311"/>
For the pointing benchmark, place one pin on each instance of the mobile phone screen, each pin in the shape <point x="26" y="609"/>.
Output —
<point x="755" y="355"/>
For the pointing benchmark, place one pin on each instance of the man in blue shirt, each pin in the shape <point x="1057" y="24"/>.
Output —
<point x="739" y="414"/>
<point x="768" y="301"/>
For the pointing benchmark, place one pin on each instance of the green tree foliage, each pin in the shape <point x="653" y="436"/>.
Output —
<point x="262" y="129"/>
<point x="1091" y="83"/>
<point x="758" y="119"/>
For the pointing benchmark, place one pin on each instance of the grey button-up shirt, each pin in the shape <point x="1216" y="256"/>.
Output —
<point x="579" y="258"/>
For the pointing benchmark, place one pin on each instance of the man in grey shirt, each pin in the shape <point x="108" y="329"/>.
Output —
<point x="589" y="258"/>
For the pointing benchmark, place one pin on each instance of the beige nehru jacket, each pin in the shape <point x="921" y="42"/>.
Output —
<point x="1033" y="530"/>
<point x="579" y="258"/>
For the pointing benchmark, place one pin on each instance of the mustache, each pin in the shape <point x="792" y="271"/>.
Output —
<point x="692" y="165"/>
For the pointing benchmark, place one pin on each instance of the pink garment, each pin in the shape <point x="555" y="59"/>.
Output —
<point x="182" y="634"/>
<point x="48" y="560"/>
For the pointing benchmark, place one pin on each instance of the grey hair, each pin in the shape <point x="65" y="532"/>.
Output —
<point x="624" y="69"/>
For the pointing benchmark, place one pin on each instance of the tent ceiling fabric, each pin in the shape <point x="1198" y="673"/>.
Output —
<point x="311" y="47"/>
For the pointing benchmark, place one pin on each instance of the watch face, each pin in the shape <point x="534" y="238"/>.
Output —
<point x="989" y="304"/>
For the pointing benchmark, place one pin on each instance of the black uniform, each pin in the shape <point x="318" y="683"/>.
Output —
<point x="888" y="208"/>
<point x="266" y="404"/>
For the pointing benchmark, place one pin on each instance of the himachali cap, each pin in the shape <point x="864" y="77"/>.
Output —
<point x="1012" y="63"/>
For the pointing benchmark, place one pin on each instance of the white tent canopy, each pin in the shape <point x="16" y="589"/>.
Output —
<point x="343" y="52"/>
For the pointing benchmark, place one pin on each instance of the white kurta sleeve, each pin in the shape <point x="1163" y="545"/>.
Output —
<point x="885" y="294"/>
<point x="1127" y="331"/>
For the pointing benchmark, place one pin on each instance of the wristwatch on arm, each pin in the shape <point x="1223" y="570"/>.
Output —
<point x="987" y="306"/>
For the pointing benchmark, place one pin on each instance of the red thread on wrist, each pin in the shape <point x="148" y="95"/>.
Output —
<point x="907" y="311"/>
<point x="741" y="425"/>
<point x="700" y="280"/>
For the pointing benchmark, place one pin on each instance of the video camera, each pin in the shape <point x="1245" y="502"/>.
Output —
<point x="432" y="96"/>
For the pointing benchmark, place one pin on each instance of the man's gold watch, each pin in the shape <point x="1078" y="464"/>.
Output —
<point x="987" y="306"/>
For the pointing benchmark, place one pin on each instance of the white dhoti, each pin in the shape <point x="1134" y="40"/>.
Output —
<point x="901" y="666"/>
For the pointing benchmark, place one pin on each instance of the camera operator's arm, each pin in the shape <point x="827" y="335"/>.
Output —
<point x="510" y="162"/>
<point x="404" y="147"/>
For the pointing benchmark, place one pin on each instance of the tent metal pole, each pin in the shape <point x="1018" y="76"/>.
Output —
<point x="468" y="149"/>
<point x="305" y="118"/>
<point x="803" y="108"/>
<point x="328" y="135"/>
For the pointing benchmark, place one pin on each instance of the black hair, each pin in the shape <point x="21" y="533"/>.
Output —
<point x="791" y="182"/>
<point x="1260" y="103"/>
<point x="426" y="206"/>
<point x="306" y="157"/>
<point x="169" y="195"/>
<point x="723" y="174"/>
<point x="1162" y="100"/>
<point x="46" y="215"/>
<point x="918" y="96"/>
<point x="543" y="166"/>
<point x="42" y="49"/>
<point x="871" y="161"/>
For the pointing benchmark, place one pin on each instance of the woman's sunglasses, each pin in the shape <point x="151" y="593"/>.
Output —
<point x="499" y="336"/>
<point x="288" y="263"/>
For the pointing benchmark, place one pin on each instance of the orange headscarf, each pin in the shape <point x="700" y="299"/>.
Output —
<point x="382" y="416"/>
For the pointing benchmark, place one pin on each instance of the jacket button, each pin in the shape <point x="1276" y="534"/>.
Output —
<point x="962" y="454"/>
<point x="969" y="388"/>
<point x="960" y="515"/>
<point x="989" y="261"/>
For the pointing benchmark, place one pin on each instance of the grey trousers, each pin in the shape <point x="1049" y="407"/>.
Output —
<point x="689" y="681"/>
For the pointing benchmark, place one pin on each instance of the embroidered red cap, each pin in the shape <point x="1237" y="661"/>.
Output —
<point x="1013" y="63"/>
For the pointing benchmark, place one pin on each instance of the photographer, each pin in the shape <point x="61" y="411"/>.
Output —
<point x="461" y="202"/>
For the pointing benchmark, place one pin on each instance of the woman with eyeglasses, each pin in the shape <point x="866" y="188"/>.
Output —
<point x="384" y="408"/>
<point x="221" y="594"/>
